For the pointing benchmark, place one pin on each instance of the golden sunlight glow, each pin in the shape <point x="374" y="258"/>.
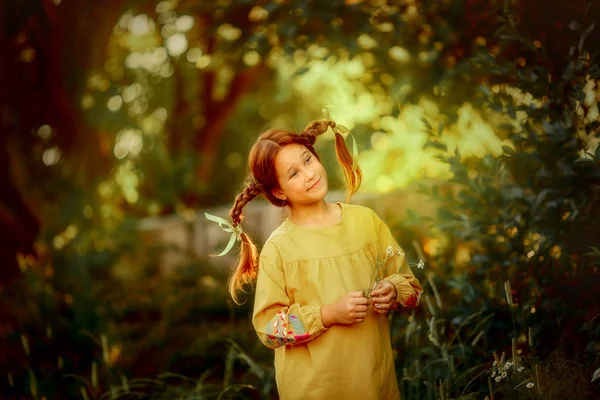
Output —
<point x="114" y="103"/>
<point x="397" y="156"/>
<point x="251" y="58"/>
<point x="128" y="181"/>
<point x="203" y="61"/>
<point x="258" y="13"/>
<point x="184" y="23"/>
<point x="229" y="32"/>
<point x="366" y="42"/>
<point x="177" y="44"/>
<point x="140" y="25"/>
<point x="164" y="6"/>
<point x="129" y="142"/>
<point x="399" y="54"/>
<point x="193" y="54"/>
<point x="151" y="60"/>
<point x="131" y="92"/>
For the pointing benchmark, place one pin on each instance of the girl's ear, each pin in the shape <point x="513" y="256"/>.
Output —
<point x="277" y="193"/>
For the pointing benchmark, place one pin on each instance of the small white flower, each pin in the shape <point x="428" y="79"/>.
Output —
<point x="389" y="252"/>
<point x="421" y="264"/>
<point x="520" y="369"/>
<point x="530" y="385"/>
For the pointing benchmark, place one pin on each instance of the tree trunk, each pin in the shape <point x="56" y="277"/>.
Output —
<point x="219" y="114"/>
<point x="47" y="50"/>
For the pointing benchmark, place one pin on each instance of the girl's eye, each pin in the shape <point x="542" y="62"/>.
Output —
<point x="308" y="159"/>
<point x="293" y="174"/>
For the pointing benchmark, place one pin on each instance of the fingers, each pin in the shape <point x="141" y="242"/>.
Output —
<point x="355" y="294"/>
<point x="382" y="308"/>
<point x="360" y="315"/>
<point x="382" y="288"/>
<point x="360" y="302"/>
<point x="361" y="308"/>
<point x="383" y="299"/>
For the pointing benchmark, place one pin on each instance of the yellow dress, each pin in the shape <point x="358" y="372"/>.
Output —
<point x="301" y="269"/>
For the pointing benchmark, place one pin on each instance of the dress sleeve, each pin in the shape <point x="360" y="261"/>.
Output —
<point x="276" y="320"/>
<point x="397" y="270"/>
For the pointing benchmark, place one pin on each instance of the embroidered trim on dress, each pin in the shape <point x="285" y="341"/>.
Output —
<point x="413" y="300"/>
<point x="283" y="330"/>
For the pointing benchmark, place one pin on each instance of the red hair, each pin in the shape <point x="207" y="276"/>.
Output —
<point x="263" y="180"/>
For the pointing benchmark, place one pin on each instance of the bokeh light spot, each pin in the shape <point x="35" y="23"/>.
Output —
<point x="258" y="13"/>
<point x="139" y="25"/>
<point x="193" y="54"/>
<point x="114" y="103"/>
<point x="399" y="54"/>
<point x="251" y="58"/>
<point x="177" y="44"/>
<point x="45" y="131"/>
<point x="184" y="23"/>
<point x="51" y="156"/>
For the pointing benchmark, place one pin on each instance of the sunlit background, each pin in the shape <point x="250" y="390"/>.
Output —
<point x="124" y="121"/>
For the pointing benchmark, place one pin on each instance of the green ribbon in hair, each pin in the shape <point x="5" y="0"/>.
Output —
<point x="342" y="130"/>
<point x="236" y="231"/>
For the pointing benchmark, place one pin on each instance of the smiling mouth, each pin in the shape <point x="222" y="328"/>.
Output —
<point x="314" y="185"/>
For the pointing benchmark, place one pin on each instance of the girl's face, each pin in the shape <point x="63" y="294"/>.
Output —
<point x="302" y="178"/>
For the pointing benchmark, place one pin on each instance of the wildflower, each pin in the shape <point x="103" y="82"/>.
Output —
<point x="530" y="385"/>
<point x="520" y="369"/>
<point x="421" y="264"/>
<point x="379" y="270"/>
<point x="500" y="369"/>
<point x="389" y="252"/>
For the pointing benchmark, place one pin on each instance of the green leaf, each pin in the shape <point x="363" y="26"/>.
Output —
<point x="508" y="150"/>
<point x="428" y="127"/>
<point x="437" y="145"/>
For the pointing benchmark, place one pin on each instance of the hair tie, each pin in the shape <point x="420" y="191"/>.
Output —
<point x="236" y="231"/>
<point x="341" y="129"/>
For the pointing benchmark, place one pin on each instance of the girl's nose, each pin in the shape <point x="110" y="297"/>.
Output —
<point x="309" y="173"/>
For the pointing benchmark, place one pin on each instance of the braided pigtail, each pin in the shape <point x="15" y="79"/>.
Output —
<point x="315" y="129"/>
<point x="352" y="176"/>
<point x="247" y="268"/>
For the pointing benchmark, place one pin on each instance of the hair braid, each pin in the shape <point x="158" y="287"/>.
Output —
<point x="247" y="267"/>
<point x="353" y="177"/>
<point x="315" y="129"/>
<point x="250" y="192"/>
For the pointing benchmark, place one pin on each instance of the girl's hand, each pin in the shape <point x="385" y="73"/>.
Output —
<point x="383" y="297"/>
<point x="350" y="309"/>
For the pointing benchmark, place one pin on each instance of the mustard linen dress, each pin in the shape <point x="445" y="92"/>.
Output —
<point x="302" y="269"/>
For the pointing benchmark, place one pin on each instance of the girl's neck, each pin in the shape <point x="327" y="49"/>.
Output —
<point x="317" y="215"/>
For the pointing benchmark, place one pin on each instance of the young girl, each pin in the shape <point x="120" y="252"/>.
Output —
<point x="313" y="303"/>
